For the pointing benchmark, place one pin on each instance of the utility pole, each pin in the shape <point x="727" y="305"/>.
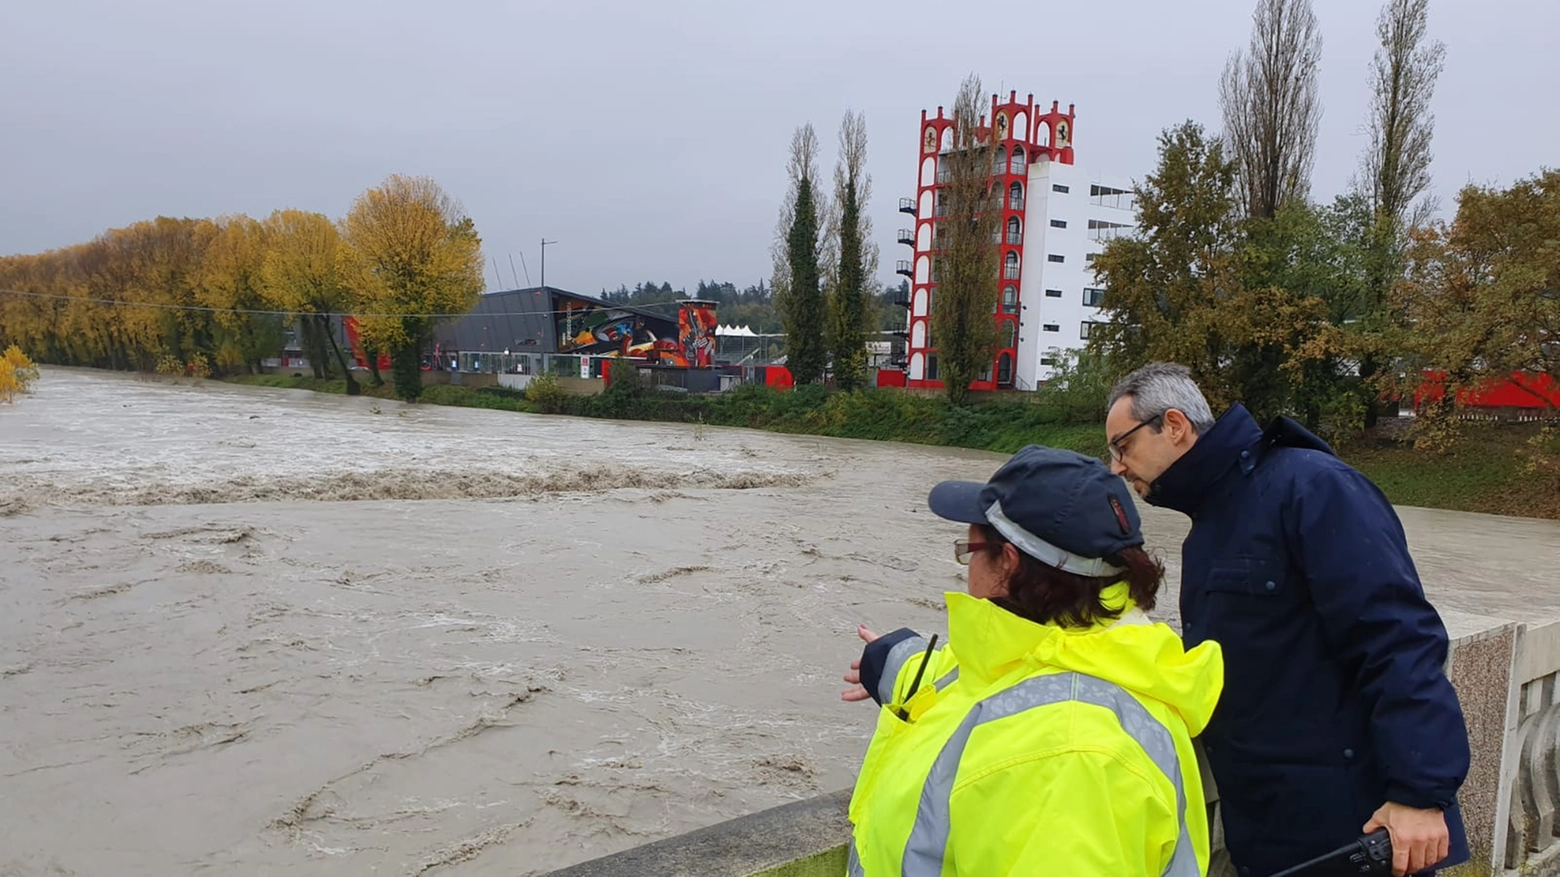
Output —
<point x="545" y="242"/>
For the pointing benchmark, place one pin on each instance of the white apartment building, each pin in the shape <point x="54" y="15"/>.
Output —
<point x="1056" y="218"/>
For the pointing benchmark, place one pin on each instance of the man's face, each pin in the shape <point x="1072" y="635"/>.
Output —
<point x="1141" y="453"/>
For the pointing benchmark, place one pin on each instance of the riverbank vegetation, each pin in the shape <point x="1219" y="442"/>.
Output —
<point x="17" y="373"/>
<point x="1488" y="473"/>
<point x="218" y="296"/>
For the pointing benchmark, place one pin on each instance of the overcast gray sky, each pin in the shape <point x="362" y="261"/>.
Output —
<point x="649" y="137"/>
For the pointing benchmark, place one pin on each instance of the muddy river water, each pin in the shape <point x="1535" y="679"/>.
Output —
<point x="248" y="631"/>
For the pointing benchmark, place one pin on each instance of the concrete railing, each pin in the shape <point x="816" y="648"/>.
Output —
<point x="1506" y="677"/>
<point x="802" y="839"/>
<point x="1530" y="770"/>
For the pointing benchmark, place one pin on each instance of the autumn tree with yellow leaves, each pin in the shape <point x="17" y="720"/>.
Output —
<point x="302" y="273"/>
<point x="180" y="294"/>
<point x="412" y="258"/>
<point x="244" y="329"/>
<point x="17" y="373"/>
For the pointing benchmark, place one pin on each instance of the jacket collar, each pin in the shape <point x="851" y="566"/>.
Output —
<point x="995" y="641"/>
<point x="1234" y="439"/>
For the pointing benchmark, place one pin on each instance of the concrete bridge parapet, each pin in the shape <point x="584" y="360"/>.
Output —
<point x="1505" y="673"/>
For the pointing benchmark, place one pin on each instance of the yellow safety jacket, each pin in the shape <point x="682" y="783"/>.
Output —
<point x="1036" y="749"/>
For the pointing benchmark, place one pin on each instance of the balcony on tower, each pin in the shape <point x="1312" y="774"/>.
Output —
<point x="907" y="205"/>
<point x="903" y="267"/>
<point x="899" y="298"/>
<point x="906" y="236"/>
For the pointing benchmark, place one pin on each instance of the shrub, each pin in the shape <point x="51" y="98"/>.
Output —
<point x="17" y="372"/>
<point x="546" y="393"/>
<point x="199" y="367"/>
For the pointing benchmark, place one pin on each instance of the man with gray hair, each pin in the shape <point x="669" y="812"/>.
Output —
<point x="1337" y="717"/>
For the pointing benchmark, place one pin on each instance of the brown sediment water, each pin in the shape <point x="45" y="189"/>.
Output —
<point x="251" y="631"/>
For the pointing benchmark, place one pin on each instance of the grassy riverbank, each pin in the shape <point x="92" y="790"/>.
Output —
<point x="1484" y="474"/>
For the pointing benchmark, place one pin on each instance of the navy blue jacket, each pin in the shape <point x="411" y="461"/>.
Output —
<point x="1335" y="698"/>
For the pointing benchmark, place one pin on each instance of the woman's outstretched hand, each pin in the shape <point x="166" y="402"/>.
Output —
<point x="857" y="691"/>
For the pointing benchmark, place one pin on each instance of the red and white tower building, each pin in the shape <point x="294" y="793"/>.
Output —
<point x="1055" y="218"/>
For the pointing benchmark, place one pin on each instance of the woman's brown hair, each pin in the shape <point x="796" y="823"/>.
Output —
<point x="1046" y="595"/>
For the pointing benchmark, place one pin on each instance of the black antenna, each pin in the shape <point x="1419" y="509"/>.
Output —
<point x="916" y="683"/>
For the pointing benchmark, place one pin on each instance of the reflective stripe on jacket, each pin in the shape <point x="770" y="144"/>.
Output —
<point x="1037" y="749"/>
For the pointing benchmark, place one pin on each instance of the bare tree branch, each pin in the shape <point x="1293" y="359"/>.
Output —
<point x="1271" y="105"/>
<point x="1403" y="76"/>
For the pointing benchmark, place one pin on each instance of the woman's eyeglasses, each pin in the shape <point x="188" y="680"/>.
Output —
<point x="963" y="548"/>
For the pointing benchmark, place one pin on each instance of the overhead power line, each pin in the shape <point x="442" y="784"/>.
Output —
<point x="262" y="312"/>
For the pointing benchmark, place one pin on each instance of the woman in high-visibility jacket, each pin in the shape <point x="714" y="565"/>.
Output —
<point x="1052" y="733"/>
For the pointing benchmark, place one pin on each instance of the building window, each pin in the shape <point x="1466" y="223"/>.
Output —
<point x="1053" y="293"/>
<point x="1089" y="259"/>
<point x="1107" y="196"/>
<point x="1058" y="223"/>
<point x="1058" y="187"/>
<point x="1009" y="334"/>
<point x="1050" y="327"/>
<point x="1048" y="360"/>
<point x="1010" y="269"/>
<point x="1005" y="369"/>
<point x="1056" y="257"/>
<point x="1100" y="230"/>
<point x="1092" y="297"/>
<point x="1010" y="299"/>
<point x="1016" y="197"/>
<point x="1083" y="330"/>
<point x="931" y="367"/>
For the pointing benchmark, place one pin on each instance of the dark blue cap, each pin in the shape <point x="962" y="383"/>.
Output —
<point x="1059" y="507"/>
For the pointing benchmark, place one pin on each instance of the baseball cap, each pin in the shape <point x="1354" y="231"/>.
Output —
<point x="1060" y="507"/>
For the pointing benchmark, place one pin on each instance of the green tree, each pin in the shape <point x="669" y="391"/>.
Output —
<point x="965" y="295"/>
<point x="849" y="303"/>
<point x="412" y="258"/>
<point x="1162" y="283"/>
<point x="1319" y="256"/>
<point x="798" y="285"/>
<point x="1396" y="171"/>
<point x="1200" y="287"/>
<point x="1483" y="299"/>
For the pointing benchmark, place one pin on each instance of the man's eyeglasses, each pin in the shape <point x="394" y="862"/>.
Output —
<point x="1116" y="443"/>
<point x="963" y="548"/>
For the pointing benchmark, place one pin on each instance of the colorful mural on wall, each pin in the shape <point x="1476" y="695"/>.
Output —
<point x="696" y="333"/>
<point x="585" y="327"/>
<point x="588" y="328"/>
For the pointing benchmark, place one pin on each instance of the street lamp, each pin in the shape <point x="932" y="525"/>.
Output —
<point x="545" y="242"/>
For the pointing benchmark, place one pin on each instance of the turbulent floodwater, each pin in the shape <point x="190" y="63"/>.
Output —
<point x="248" y="631"/>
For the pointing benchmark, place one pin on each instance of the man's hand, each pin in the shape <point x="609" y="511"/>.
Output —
<point x="858" y="692"/>
<point x="1419" y="837"/>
